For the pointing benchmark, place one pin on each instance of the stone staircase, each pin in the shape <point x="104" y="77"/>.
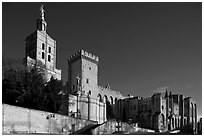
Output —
<point x="87" y="130"/>
<point x="108" y="127"/>
<point x="112" y="127"/>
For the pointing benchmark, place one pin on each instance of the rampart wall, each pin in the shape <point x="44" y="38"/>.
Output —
<point x="18" y="120"/>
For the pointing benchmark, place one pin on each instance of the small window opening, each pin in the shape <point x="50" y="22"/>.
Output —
<point x="43" y="46"/>
<point x="49" y="49"/>
<point x="43" y="55"/>
<point x="87" y="80"/>
<point x="49" y="58"/>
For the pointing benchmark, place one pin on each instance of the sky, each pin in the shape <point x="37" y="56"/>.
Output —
<point x="142" y="47"/>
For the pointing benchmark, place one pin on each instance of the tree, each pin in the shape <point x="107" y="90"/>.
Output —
<point x="21" y="85"/>
<point x="53" y="96"/>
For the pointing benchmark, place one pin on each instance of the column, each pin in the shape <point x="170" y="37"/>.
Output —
<point x="104" y="112"/>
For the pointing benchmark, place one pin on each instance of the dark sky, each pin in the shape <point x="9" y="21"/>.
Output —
<point x="142" y="47"/>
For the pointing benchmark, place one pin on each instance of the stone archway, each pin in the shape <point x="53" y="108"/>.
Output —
<point x="106" y="102"/>
<point x="116" y="100"/>
<point x="109" y="108"/>
<point x="116" y="108"/>
<point x="99" y="107"/>
<point x="111" y="101"/>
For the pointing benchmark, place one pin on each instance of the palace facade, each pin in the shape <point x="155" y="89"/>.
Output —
<point x="88" y="100"/>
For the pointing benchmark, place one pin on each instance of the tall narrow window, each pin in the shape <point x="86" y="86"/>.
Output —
<point x="43" y="46"/>
<point x="44" y="27"/>
<point x="49" y="49"/>
<point x="87" y="80"/>
<point x="43" y="55"/>
<point x="49" y="58"/>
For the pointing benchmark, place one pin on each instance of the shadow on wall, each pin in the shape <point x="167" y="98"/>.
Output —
<point x="187" y="129"/>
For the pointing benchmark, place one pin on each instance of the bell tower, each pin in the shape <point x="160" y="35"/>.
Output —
<point x="41" y="47"/>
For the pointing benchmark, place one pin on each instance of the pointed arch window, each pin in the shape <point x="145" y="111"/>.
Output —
<point x="87" y="80"/>
<point x="49" y="49"/>
<point x="49" y="58"/>
<point x="43" y="55"/>
<point x="43" y="46"/>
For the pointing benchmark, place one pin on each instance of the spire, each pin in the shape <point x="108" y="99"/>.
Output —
<point x="166" y="94"/>
<point x="42" y="13"/>
<point x="41" y="23"/>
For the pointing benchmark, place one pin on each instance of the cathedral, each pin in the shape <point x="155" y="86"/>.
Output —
<point x="88" y="100"/>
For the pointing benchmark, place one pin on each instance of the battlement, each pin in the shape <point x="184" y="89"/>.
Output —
<point x="84" y="54"/>
<point x="108" y="87"/>
<point x="156" y="94"/>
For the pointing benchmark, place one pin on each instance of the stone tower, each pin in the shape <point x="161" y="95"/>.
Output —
<point x="41" y="47"/>
<point x="83" y="82"/>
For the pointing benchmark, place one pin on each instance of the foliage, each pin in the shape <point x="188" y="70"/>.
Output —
<point x="53" y="97"/>
<point x="22" y="86"/>
<point x="26" y="87"/>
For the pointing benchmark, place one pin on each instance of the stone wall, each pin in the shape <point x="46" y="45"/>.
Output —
<point x="18" y="120"/>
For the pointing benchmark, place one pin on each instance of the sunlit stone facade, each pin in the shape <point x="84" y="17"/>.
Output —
<point x="87" y="100"/>
<point x="41" y="48"/>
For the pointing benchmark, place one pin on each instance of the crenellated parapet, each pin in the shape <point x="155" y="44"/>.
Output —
<point x="83" y="54"/>
<point x="107" y="88"/>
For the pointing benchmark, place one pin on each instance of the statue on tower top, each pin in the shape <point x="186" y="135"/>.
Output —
<point x="42" y="12"/>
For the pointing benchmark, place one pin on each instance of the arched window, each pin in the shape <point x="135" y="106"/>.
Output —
<point x="100" y="98"/>
<point x="43" y="55"/>
<point x="43" y="46"/>
<point x="111" y="100"/>
<point x="49" y="58"/>
<point x="105" y="99"/>
<point x="116" y="100"/>
<point x="49" y="50"/>
<point x="87" y="80"/>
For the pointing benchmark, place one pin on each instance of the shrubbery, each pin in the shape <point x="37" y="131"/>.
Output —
<point x="26" y="87"/>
